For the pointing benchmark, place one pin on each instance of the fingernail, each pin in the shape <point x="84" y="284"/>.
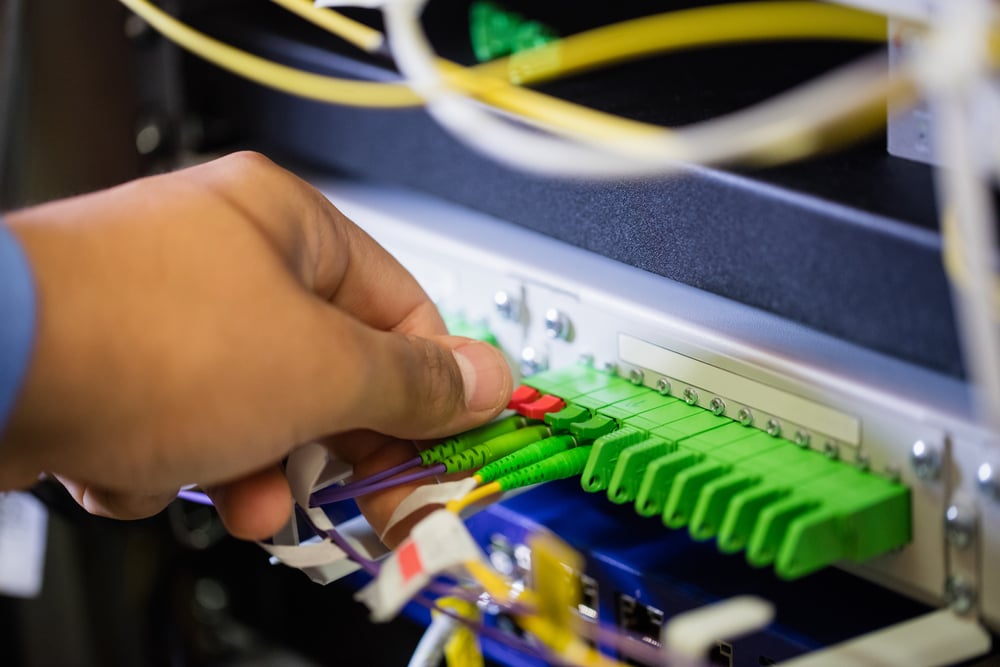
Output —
<point x="483" y="373"/>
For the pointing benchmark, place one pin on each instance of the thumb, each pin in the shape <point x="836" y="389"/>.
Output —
<point x="431" y="387"/>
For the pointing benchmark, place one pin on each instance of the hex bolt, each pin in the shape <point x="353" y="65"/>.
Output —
<point x="635" y="376"/>
<point x="557" y="324"/>
<point x="802" y="439"/>
<point x="532" y="362"/>
<point x="507" y="306"/>
<point x="717" y="406"/>
<point x="960" y="525"/>
<point x="663" y="386"/>
<point x="926" y="460"/>
<point x="773" y="427"/>
<point x="988" y="480"/>
<point x="745" y="417"/>
<point x="960" y="594"/>
<point x="831" y="449"/>
<point x="690" y="396"/>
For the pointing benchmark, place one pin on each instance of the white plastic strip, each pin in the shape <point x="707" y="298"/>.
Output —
<point x="814" y="416"/>
<point x="437" y="544"/>
<point x="430" y="494"/>
<point x="689" y="636"/>
<point x="938" y="638"/>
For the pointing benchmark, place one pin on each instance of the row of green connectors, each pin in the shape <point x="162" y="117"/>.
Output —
<point x="786" y="506"/>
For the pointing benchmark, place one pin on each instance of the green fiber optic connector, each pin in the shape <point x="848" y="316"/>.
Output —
<point x="491" y="450"/>
<point x="631" y="463"/>
<point x="723" y="448"/>
<point x="781" y="473"/>
<point x="560" y="421"/>
<point x="637" y="405"/>
<point x="849" y="515"/>
<point x="789" y="507"/>
<point x="477" y="436"/>
<point x="690" y="426"/>
<point x="655" y="485"/>
<point x="495" y="32"/>
<point x="593" y="428"/>
<point x="565" y="464"/>
<point x="604" y="454"/>
<point x="711" y="496"/>
<point x="665" y="414"/>
<point x="570" y="381"/>
<point x="533" y="453"/>
<point x="615" y="391"/>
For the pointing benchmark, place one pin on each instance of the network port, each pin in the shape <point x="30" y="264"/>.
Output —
<point x="641" y="621"/>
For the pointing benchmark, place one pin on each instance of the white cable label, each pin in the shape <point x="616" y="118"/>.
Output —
<point x="437" y="544"/>
<point x="23" y="532"/>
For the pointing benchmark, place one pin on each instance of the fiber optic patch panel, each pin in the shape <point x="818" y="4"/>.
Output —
<point x="861" y="415"/>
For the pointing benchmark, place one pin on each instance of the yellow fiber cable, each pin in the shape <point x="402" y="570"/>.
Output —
<point x="271" y="74"/>
<point x="355" y="32"/>
<point x="721" y="24"/>
<point x="684" y="29"/>
<point x="575" y="652"/>
<point x="473" y="497"/>
<point x="634" y="39"/>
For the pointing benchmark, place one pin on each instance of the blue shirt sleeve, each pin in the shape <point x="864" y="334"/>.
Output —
<point x="17" y="320"/>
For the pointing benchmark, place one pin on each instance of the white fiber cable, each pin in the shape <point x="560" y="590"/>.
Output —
<point x="783" y="126"/>
<point x="430" y="648"/>
<point x="951" y="69"/>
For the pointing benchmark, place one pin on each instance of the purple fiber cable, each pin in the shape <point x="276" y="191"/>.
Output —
<point x="368" y="565"/>
<point x="379" y="476"/>
<point x="335" y="494"/>
<point x="194" y="497"/>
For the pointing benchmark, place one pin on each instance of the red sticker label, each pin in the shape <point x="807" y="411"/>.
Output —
<point x="409" y="561"/>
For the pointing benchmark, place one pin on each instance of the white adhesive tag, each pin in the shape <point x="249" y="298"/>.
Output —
<point x="23" y="533"/>
<point x="437" y="544"/>
<point x="429" y="494"/>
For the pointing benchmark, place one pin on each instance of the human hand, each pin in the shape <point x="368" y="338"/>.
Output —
<point x="195" y="327"/>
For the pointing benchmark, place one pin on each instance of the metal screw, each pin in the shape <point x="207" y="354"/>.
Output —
<point x="863" y="461"/>
<point x="635" y="376"/>
<point x="926" y="460"/>
<point x="507" y="306"/>
<point x="773" y="427"/>
<point x="149" y="137"/>
<point x="988" y="480"/>
<point x="745" y="416"/>
<point x="960" y="526"/>
<point x="690" y="396"/>
<point x="663" y="386"/>
<point x="557" y="325"/>
<point x="960" y="594"/>
<point x="718" y="406"/>
<point x="532" y="361"/>
<point x="831" y="449"/>
<point x="802" y="439"/>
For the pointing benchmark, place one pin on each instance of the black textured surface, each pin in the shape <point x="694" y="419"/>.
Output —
<point x="845" y="244"/>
